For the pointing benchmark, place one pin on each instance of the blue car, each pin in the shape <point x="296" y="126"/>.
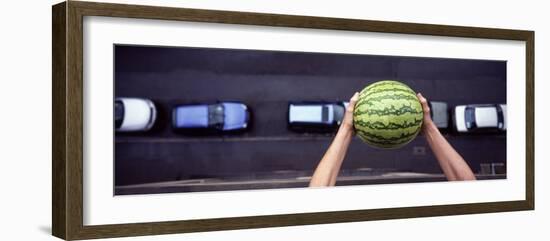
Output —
<point x="219" y="117"/>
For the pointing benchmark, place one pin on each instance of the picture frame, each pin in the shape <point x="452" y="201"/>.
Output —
<point x="67" y="124"/>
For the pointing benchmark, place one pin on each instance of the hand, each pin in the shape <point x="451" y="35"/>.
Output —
<point x="347" y="122"/>
<point x="426" y="109"/>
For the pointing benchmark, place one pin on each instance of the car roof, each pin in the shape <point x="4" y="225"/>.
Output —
<point x="486" y="116"/>
<point x="312" y="113"/>
<point x="191" y="116"/>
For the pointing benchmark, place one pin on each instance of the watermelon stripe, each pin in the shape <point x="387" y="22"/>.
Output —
<point x="373" y="92"/>
<point x="383" y="83"/>
<point x="378" y="125"/>
<point x="388" y="111"/>
<point x="387" y="144"/>
<point x="385" y="97"/>
<point x="404" y="137"/>
<point x="408" y="93"/>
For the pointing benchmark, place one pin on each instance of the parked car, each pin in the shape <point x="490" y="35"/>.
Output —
<point x="134" y="114"/>
<point x="205" y="118"/>
<point x="474" y="118"/>
<point x="439" y="113"/>
<point x="315" y="116"/>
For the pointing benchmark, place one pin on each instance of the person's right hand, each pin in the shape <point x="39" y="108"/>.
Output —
<point x="450" y="161"/>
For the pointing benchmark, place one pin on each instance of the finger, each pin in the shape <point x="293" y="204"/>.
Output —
<point x="421" y="98"/>
<point x="424" y="103"/>
<point x="354" y="98"/>
<point x="352" y="102"/>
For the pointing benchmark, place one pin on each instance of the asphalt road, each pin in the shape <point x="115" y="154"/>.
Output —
<point x="266" y="81"/>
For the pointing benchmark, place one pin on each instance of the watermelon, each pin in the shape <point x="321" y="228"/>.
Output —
<point x="388" y="114"/>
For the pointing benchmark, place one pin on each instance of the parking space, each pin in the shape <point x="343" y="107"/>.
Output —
<point x="266" y="81"/>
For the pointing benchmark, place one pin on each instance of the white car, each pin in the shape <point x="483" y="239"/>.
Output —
<point x="315" y="116"/>
<point x="134" y="114"/>
<point x="473" y="118"/>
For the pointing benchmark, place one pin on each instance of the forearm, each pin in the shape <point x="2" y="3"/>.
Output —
<point x="452" y="164"/>
<point x="327" y="171"/>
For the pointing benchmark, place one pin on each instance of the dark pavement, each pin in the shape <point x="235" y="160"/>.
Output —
<point x="266" y="81"/>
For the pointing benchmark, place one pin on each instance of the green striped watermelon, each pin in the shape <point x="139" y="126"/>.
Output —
<point x="388" y="114"/>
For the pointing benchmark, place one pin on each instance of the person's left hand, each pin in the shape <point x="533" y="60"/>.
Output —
<point x="347" y="122"/>
<point x="426" y="109"/>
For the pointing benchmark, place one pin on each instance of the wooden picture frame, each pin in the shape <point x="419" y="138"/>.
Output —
<point x="67" y="150"/>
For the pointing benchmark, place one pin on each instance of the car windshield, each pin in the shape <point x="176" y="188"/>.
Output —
<point x="339" y="111"/>
<point x="215" y="115"/>
<point x="235" y="116"/>
<point x="324" y="113"/>
<point x="119" y="113"/>
<point x="470" y="117"/>
<point x="328" y="113"/>
<point x="500" y="116"/>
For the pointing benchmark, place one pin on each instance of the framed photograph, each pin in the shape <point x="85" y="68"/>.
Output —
<point x="171" y="120"/>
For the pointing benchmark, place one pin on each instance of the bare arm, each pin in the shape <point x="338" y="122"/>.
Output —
<point x="326" y="172"/>
<point x="453" y="165"/>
